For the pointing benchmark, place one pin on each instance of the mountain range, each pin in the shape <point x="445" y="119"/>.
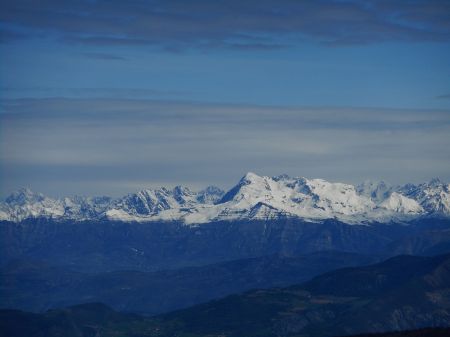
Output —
<point x="401" y="293"/>
<point x="252" y="198"/>
<point x="160" y="250"/>
<point x="33" y="285"/>
<point x="167" y="249"/>
<point x="404" y="292"/>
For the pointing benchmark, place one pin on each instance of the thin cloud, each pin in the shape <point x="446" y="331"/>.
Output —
<point x="178" y="25"/>
<point x="50" y="143"/>
<point x="90" y="93"/>
<point x="105" y="56"/>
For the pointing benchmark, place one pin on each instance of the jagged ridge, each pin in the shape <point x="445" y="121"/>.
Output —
<point x="254" y="197"/>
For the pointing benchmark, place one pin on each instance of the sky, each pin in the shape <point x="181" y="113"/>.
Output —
<point x="109" y="97"/>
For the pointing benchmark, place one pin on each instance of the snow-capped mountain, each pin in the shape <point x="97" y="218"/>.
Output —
<point x="24" y="204"/>
<point x="401" y="204"/>
<point x="434" y="196"/>
<point x="162" y="204"/>
<point x="254" y="197"/>
<point x="377" y="191"/>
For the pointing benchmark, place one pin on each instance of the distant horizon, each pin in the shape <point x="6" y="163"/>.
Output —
<point x="103" y="97"/>
<point x="104" y="146"/>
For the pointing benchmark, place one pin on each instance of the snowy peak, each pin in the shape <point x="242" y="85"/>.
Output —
<point x="24" y="196"/>
<point x="24" y="204"/>
<point x="339" y="198"/>
<point x="251" y="185"/>
<point x="152" y="202"/>
<point x="210" y="195"/>
<point x="436" y="183"/>
<point x="145" y="202"/>
<point x="238" y="191"/>
<point x="253" y="197"/>
<point x="84" y="208"/>
<point x="295" y="197"/>
<point x="183" y="194"/>
<point x="377" y="191"/>
<point x="401" y="204"/>
<point x="433" y="196"/>
<point x="163" y="204"/>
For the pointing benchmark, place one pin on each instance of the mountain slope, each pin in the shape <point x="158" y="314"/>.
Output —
<point x="402" y="293"/>
<point x="34" y="286"/>
<point x="434" y="196"/>
<point x="96" y="319"/>
<point x="96" y="246"/>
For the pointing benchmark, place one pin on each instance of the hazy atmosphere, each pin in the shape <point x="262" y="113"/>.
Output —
<point x="224" y="168"/>
<point x="108" y="98"/>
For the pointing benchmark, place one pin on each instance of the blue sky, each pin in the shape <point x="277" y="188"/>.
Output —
<point x="348" y="90"/>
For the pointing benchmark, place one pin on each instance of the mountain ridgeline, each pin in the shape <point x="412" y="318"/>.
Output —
<point x="162" y="291"/>
<point x="402" y="293"/>
<point x="102" y="246"/>
<point x="254" y="197"/>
